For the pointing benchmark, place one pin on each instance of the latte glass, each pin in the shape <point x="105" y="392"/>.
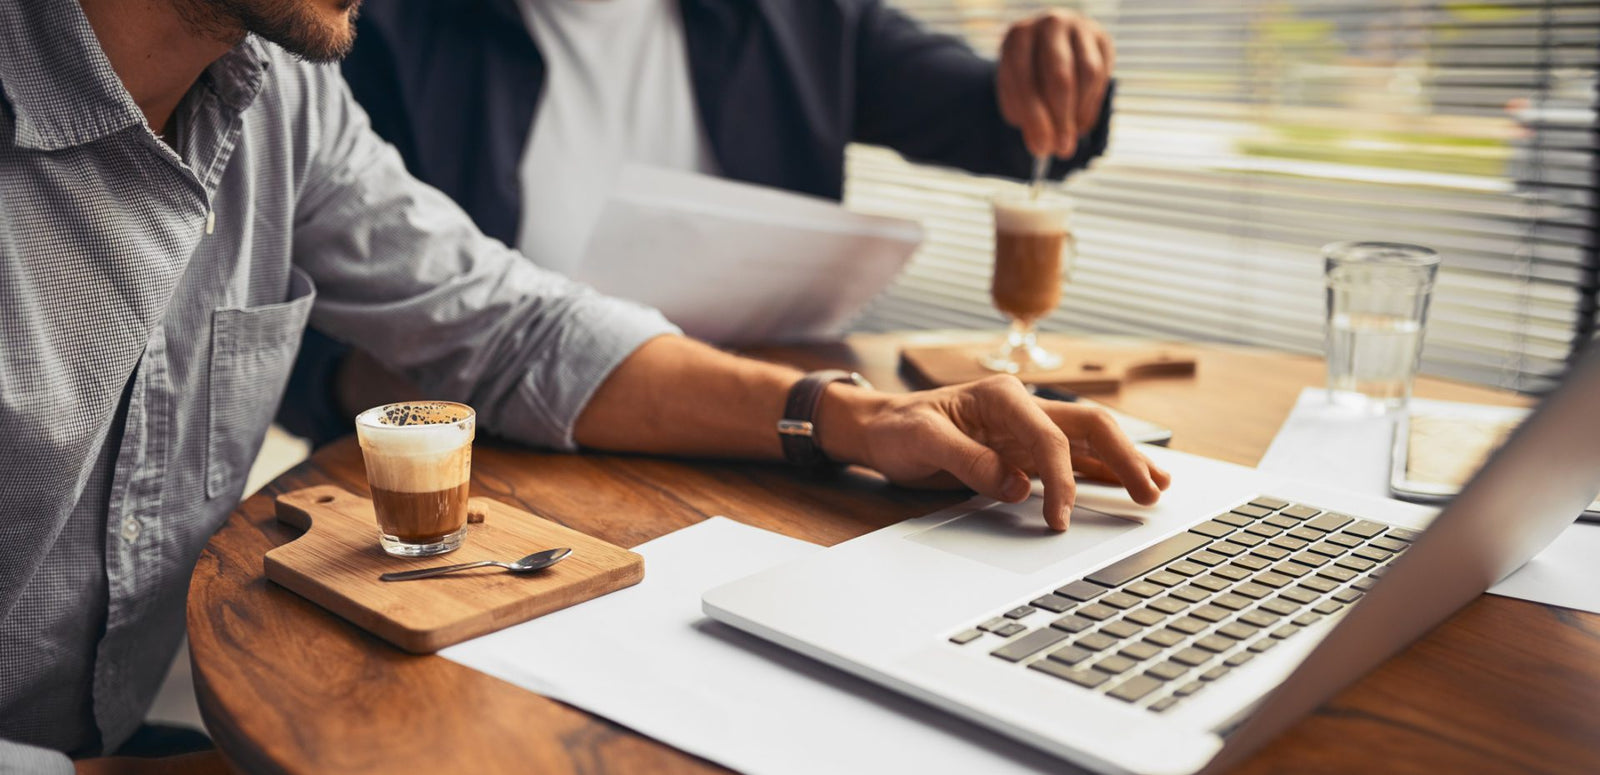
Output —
<point x="419" y="461"/>
<point x="1033" y="255"/>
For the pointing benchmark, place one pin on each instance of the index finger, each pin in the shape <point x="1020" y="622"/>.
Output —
<point x="1111" y="445"/>
<point x="1017" y="415"/>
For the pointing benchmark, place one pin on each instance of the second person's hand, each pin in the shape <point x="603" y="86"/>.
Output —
<point x="1055" y="68"/>
<point x="990" y="435"/>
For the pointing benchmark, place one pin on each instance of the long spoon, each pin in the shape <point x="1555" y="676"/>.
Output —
<point x="529" y="564"/>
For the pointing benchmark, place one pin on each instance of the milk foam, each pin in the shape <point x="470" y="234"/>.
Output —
<point x="435" y="454"/>
<point x="1030" y="217"/>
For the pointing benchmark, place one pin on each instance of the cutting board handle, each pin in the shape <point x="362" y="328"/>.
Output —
<point x="294" y="508"/>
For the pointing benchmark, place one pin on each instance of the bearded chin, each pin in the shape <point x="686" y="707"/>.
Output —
<point x="291" y="24"/>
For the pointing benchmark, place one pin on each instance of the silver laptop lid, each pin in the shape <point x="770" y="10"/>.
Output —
<point x="1525" y="495"/>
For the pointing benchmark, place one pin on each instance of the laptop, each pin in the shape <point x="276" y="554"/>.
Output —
<point x="1177" y="638"/>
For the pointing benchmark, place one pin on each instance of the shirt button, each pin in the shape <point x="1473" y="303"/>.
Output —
<point x="130" y="529"/>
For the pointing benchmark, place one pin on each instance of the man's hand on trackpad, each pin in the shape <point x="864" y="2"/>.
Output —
<point x="989" y="435"/>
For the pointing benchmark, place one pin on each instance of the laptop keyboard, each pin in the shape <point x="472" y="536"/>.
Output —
<point x="1166" y="622"/>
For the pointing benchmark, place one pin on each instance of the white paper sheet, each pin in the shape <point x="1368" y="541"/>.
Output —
<point x="732" y="262"/>
<point x="647" y="658"/>
<point x="1328" y="444"/>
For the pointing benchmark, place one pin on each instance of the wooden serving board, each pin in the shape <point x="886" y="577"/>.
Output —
<point x="1086" y="367"/>
<point x="337" y="562"/>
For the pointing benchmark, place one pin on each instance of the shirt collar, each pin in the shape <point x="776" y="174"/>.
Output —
<point x="61" y="87"/>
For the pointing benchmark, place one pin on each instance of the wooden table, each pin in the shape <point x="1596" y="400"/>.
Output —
<point x="1504" y="686"/>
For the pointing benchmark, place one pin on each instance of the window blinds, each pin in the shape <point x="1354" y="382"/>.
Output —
<point x="1248" y="134"/>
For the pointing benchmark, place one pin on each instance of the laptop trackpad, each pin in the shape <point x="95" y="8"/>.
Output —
<point x="1013" y="536"/>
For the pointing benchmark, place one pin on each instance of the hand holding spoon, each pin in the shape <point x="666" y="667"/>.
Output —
<point x="529" y="564"/>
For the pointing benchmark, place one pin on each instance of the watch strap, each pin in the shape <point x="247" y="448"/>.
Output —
<point x="797" y="429"/>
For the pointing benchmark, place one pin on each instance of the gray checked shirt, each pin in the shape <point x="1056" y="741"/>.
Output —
<point x="151" y="301"/>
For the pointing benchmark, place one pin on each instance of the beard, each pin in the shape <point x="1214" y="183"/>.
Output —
<point x="298" y="26"/>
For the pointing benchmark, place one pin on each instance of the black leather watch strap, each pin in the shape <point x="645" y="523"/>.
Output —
<point x="797" y="429"/>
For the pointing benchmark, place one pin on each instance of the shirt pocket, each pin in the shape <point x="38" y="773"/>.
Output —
<point x="252" y="350"/>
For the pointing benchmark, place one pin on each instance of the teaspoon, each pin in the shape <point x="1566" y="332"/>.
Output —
<point x="529" y="564"/>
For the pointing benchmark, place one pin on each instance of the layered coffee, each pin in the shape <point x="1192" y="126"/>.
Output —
<point x="419" y="462"/>
<point x="1031" y="239"/>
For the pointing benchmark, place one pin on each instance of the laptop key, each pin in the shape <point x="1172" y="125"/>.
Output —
<point x="1285" y="631"/>
<point x="1246" y="539"/>
<point x="1328" y="607"/>
<point x="1019" y="612"/>
<point x="1095" y="641"/>
<point x="1330" y="522"/>
<point x="1213" y="529"/>
<point x="1143" y="589"/>
<point x="1327" y="548"/>
<point x="1318" y="584"/>
<point x="1262" y="645"/>
<point x="1072" y="623"/>
<point x="1373" y="553"/>
<point x="1207" y="558"/>
<point x="966" y="636"/>
<point x="1347" y="595"/>
<point x="1291" y="568"/>
<point x="1336" y="573"/>
<point x="1211" y="613"/>
<point x="1270" y="552"/>
<point x="1010" y="630"/>
<point x="1147" y="559"/>
<point x="1030" y="644"/>
<point x="1236" y="519"/>
<point x="1232" y="602"/>
<point x="1231" y="573"/>
<point x="1239" y="658"/>
<point x="1366" y="529"/>
<point x="1345" y="540"/>
<point x="1165" y="578"/>
<point x="1356" y="563"/>
<point x="1236" y="630"/>
<point x="994" y="624"/>
<point x="1188" y="689"/>
<point x="1272" y="579"/>
<point x="1214" y="643"/>
<point x="1081" y="591"/>
<point x="1121" y="629"/>
<point x="1192" y="657"/>
<point x="1307" y="619"/>
<point x="1169" y="605"/>
<point x="1139" y="651"/>
<point x="1070" y="655"/>
<point x="1300" y="511"/>
<point x="1364" y="584"/>
<point x="1088" y="679"/>
<point x="1404" y="534"/>
<point x="1264" y="530"/>
<point x="1163" y="704"/>
<point x="1145" y="616"/>
<point x="1115" y="664"/>
<point x="1191" y="593"/>
<point x="1167" y="670"/>
<point x="1135" y="688"/>
<point x="1215" y="673"/>
<point x="1251" y="562"/>
<point x="1166" y="638"/>
<point x="1310" y="558"/>
<point x="1120" y="600"/>
<point x="1055" y="604"/>
<point x="1097" y="612"/>
<point x="1301" y="596"/>
<point x="1389" y="544"/>
<point x="1213" y="583"/>
<point x="1226" y="549"/>
<point x="1186" y="568"/>
<point x="1279" y="520"/>
<point x="1268" y="502"/>
<point x="1251" y="590"/>
<point x="1280" y="606"/>
<point x="1290" y="543"/>
<point x="1305" y="534"/>
<point x="1256" y="510"/>
<point x="1188" y="625"/>
<point x="1259" y="618"/>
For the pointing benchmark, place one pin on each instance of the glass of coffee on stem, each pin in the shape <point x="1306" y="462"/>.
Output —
<point x="419" y="461"/>
<point x="1033" y="255"/>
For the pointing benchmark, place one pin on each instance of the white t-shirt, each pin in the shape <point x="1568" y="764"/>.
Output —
<point x="616" y="90"/>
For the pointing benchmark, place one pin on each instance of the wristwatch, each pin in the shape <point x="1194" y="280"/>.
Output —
<point x="798" y="429"/>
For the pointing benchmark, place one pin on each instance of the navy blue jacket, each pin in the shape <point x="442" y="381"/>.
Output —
<point x="781" y="85"/>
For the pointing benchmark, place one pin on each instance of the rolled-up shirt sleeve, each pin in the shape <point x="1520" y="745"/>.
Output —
<point x="403" y="273"/>
<point x="19" y="759"/>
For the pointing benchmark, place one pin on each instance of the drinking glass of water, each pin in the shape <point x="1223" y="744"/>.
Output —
<point x="1377" y="307"/>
